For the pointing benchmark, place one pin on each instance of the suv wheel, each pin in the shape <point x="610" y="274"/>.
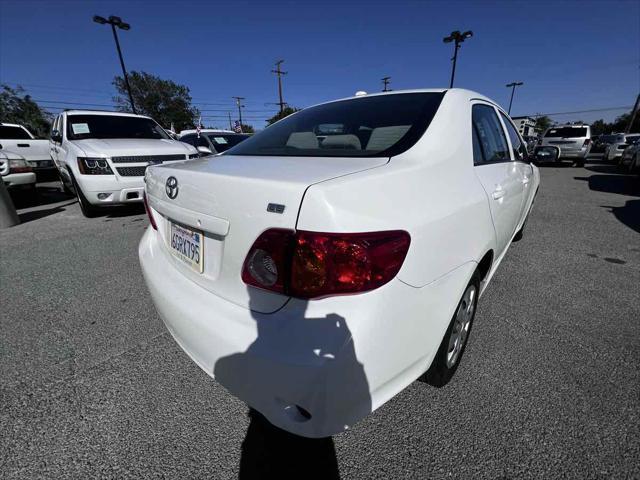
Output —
<point x="87" y="209"/>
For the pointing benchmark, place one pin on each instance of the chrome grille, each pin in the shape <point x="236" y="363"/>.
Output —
<point x="148" y="158"/>
<point x="131" y="171"/>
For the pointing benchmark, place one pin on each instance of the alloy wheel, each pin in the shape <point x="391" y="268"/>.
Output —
<point x="462" y="325"/>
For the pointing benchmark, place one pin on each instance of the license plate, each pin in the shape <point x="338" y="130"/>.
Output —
<point x="187" y="245"/>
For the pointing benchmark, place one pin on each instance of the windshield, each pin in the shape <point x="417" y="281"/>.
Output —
<point x="567" y="132"/>
<point x="13" y="133"/>
<point x="382" y="125"/>
<point x="112" y="126"/>
<point x="607" y="138"/>
<point x="224" y="141"/>
<point x="632" y="138"/>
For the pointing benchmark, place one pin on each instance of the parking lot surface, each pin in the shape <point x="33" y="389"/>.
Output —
<point x="93" y="385"/>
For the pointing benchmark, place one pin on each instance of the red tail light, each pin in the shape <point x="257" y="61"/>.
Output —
<point x="587" y="141"/>
<point x="312" y="264"/>
<point x="152" y="220"/>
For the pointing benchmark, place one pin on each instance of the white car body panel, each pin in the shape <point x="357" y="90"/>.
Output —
<point x="34" y="151"/>
<point x="339" y="357"/>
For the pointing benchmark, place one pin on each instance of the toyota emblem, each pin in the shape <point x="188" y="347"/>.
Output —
<point x="171" y="187"/>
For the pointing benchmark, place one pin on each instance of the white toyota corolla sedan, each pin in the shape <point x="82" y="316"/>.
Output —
<point x="318" y="268"/>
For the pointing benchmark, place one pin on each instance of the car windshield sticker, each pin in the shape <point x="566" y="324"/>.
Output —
<point x="220" y="140"/>
<point x="79" y="128"/>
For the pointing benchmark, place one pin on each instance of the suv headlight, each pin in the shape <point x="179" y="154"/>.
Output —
<point x="94" y="166"/>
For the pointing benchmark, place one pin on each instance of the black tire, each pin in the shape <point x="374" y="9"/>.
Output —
<point x="87" y="209"/>
<point x="446" y="362"/>
<point x="64" y="187"/>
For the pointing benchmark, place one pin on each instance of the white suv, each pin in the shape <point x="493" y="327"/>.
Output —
<point x="102" y="156"/>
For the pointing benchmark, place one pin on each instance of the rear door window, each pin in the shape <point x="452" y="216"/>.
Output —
<point x="517" y="145"/>
<point x="13" y="133"/>
<point x="491" y="137"/>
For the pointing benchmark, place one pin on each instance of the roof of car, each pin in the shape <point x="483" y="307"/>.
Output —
<point x="4" y="124"/>
<point x="206" y="130"/>
<point x="103" y="112"/>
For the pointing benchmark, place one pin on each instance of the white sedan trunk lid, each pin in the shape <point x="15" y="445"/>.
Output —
<point x="227" y="198"/>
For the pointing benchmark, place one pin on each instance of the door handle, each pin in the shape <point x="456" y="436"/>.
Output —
<point x="498" y="194"/>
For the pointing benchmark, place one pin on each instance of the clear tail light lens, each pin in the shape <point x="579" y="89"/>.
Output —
<point x="313" y="264"/>
<point x="19" y="166"/>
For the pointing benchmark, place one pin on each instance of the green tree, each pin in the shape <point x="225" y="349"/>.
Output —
<point x="286" y="111"/>
<point x="600" y="127"/>
<point x="247" y="128"/>
<point x="163" y="100"/>
<point x="542" y="123"/>
<point x="16" y="107"/>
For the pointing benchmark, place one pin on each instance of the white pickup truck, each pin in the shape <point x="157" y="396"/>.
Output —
<point x="18" y="140"/>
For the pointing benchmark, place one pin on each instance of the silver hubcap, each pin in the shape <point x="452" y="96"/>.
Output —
<point x="461" y="325"/>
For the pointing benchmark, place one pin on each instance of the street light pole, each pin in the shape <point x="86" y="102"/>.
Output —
<point x="513" y="86"/>
<point x="458" y="38"/>
<point x="385" y="82"/>
<point x="117" y="22"/>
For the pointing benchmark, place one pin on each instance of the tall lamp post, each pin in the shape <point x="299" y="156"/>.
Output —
<point x="117" y="22"/>
<point x="458" y="38"/>
<point x="513" y="86"/>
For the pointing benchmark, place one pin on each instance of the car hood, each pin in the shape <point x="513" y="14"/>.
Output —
<point x="113" y="147"/>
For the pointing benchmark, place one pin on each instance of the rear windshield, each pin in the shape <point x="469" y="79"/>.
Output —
<point x="224" y="141"/>
<point x="567" y="132"/>
<point x="112" y="126"/>
<point x="383" y="125"/>
<point x="631" y="138"/>
<point x="13" y="133"/>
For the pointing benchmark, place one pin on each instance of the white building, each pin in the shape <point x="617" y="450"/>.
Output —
<point x="525" y="125"/>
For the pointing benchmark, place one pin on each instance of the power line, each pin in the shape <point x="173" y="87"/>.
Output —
<point x="578" y="111"/>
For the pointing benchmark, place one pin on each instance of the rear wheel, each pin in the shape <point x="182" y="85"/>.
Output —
<point x="87" y="209"/>
<point x="455" y="338"/>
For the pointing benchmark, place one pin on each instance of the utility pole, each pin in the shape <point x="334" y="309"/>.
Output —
<point x="513" y="86"/>
<point x="230" y="124"/>
<point x="279" y="73"/>
<point x="458" y="38"/>
<point x="117" y="22"/>
<point x="238" y="102"/>
<point x="634" y="113"/>
<point x="385" y="81"/>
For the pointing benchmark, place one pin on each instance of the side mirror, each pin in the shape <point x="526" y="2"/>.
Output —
<point x="55" y="136"/>
<point x="204" y="151"/>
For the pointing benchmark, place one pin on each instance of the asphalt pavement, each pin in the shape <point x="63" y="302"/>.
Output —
<point x="549" y="387"/>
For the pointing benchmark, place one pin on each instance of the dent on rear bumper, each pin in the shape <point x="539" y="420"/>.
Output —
<point x="338" y="358"/>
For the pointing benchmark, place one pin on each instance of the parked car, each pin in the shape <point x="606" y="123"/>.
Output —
<point x="102" y="156"/>
<point x="574" y="141"/>
<point x="17" y="139"/>
<point x="16" y="172"/>
<point x="619" y="143"/>
<point x="317" y="275"/>
<point x="600" y="143"/>
<point x="630" y="158"/>
<point x="212" y="141"/>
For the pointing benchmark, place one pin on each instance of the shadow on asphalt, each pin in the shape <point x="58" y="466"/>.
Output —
<point x="44" y="195"/>
<point x="620" y="184"/>
<point x="628" y="215"/>
<point x="269" y="452"/>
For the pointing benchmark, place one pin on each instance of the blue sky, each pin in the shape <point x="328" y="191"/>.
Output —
<point x="571" y="55"/>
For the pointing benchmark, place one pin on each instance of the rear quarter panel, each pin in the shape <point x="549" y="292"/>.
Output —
<point x="430" y="191"/>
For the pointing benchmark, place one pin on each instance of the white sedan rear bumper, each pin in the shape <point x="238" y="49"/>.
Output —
<point x="12" y="180"/>
<point x="337" y="358"/>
